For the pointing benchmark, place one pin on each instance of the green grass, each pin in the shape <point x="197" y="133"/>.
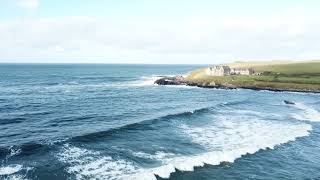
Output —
<point x="312" y="68"/>
<point x="293" y="76"/>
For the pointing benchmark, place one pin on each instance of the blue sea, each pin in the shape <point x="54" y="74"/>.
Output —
<point x="94" y="121"/>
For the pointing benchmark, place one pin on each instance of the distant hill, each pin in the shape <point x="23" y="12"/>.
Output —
<point x="285" y="67"/>
<point x="303" y="76"/>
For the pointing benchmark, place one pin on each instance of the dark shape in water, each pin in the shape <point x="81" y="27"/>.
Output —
<point x="289" y="102"/>
<point x="177" y="80"/>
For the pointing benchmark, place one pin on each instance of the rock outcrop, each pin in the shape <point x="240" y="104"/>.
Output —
<point x="180" y="80"/>
<point x="177" y="80"/>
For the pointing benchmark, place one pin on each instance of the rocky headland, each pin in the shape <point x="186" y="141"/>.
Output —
<point x="182" y="81"/>
<point x="295" y="77"/>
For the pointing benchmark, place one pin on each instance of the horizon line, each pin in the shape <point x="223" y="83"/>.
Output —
<point x="99" y="63"/>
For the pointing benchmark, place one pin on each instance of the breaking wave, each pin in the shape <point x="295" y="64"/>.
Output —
<point x="149" y="81"/>
<point x="14" y="172"/>
<point x="86" y="164"/>
<point x="145" y="81"/>
<point x="237" y="139"/>
<point x="307" y="113"/>
<point x="11" y="169"/>
<point x="134" y="125"/>
<point x="72" y="86"/>
<point x="224" y="140"/>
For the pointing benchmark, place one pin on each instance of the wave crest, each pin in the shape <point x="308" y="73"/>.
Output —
<point x="86" y="164"/>
<point x="11" y="169"/>
<point x="225" y="139"/>
<point x="307" y="113"/>
<point x="235" y="140"/>
<point x="135" y="125"/>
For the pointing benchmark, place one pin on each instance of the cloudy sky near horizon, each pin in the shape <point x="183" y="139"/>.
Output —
<point x="158" y="31"/>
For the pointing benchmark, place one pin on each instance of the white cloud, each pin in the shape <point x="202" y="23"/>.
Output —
<point x="287" y="35"/>
<point x="58" y="48"/>
<point x="29" y="4"/>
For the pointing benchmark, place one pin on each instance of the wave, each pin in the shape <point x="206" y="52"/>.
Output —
<point x="140" y="82"/>
<point x="14" y="171"/>
<point x="11" y="169"/>
<point x="87" y="164"/>
<point x="19" y="116"/>
<point x="10" y="152"/>
<point x="25" y="149"/>
<point x="7" y="107"/>
<point x="236" y="140"/>
<point x="159" y="155"/>
<point x="68" y="87"/>
<point x="32" y="147"/>
<point x="115" y="82"/>
<point x="142" y="123"/>
<point x="145" y="81"/>
<point x="225" y="139"/>
<point x="232" y="103"/>
<point x="95" y="77"/>
<point x="308" y="113"/>
<point x="5" y="121"/>
<point x="136" y="125"/>
<point x="149" y="81"/>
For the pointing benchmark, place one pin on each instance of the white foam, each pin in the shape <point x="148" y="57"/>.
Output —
<point x="13" y="152"/>
<point x="75" y="86"/>
<point x="86" y="164"/>
<point x="11" y="169"/>
<point x="15" y="177"/>
<point x="144" y="81"/>
<point x="149" y="81"/>
<point x="228" y="140"/>
<point x="308" y="113"/>
<point x="223" y="140"/>
<point x="159" y="155"/>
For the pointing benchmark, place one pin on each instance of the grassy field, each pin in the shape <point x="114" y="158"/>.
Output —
<point x="294" y="76"/>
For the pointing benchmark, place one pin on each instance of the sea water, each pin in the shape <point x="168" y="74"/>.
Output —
<point x="94" y="121"/>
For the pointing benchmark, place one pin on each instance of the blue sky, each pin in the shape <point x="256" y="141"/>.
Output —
<point x="150" y="31"/>
<point x="145" y="8"/>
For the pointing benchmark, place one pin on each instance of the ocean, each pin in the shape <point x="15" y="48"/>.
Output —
<point x="95" y="121"/>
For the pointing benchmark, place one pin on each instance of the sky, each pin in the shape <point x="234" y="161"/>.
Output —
<point x="158" y="31"/>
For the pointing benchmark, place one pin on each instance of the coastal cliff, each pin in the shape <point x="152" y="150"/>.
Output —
<point x="273" y="76"/>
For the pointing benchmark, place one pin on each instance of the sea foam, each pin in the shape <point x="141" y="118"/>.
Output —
<point x="224" y="140"/>
<point x="11" y="169"/>
<point x="307" y="113"/>
<point x="144" y="81"/>
<point x="149" y="81"/>
<point x="88" y="164"/>
<point x="231" y="140"/>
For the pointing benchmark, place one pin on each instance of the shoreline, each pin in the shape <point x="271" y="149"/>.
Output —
<point x="258" y="89"/>
<point x="178" y="80"/>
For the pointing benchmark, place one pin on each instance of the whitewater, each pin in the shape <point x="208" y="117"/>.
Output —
<point x="113" y="122"/>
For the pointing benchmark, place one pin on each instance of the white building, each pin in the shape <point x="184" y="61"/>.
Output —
<point x="226" y="71"/>
<point x="241" y="71"/>
<point x="218" y="71"/>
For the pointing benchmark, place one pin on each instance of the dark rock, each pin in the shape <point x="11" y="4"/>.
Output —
<point x="289" y="102"/>
<point x="180" y="80"/>
<point x="177" y="80"/>
<point x="192" y="84"/>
